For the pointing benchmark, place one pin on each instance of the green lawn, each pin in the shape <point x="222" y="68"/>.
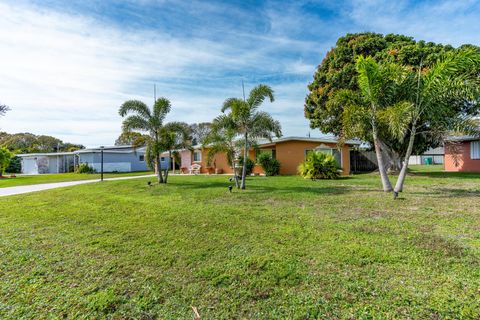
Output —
<point x="61" y="177"/>
<point x="286" y="248"/>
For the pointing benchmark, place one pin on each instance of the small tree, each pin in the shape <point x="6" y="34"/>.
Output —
<point x="251" y="123"/>
<point x="222" y="139"/>
<point x="5" y="157"/>
<point x="319" y="165"/>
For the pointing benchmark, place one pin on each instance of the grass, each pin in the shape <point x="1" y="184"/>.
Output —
<point x="284" y="248"/>
<point x="22" y="180"/>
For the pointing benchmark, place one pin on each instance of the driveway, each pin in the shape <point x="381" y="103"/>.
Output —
<point x="10" y="191"/>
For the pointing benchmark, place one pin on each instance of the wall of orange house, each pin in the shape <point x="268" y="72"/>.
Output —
<point x="289" y="153"/>
<point x="292" y="153"/>
<point x="460" y="159"/>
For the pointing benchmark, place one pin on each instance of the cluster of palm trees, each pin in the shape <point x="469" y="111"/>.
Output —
<point x="237" y="128"/>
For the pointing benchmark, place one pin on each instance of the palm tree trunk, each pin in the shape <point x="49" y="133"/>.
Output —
<point x="245" y="156"/>
<point x="159" y="168"/>
<point x="168" y="168"/>
<point x="387" y="186"/>
<point x="403" y="172"/>
<point x="235" y="176"/>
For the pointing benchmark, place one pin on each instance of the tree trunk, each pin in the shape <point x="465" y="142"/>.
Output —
<point x="159" y="168"/>
<point x="403" y="172"/>
<point x="245" y="156"/>
<point x="387" y="186"/>
<point x="168" y="167"/>
<point x="235" y="175"/>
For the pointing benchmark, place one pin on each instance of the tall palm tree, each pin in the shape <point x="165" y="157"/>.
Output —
<point x="252" y="123"/>
<point x="222" y="138"/>
<point x="150" y="121"/>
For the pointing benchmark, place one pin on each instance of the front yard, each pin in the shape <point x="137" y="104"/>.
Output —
<point x="284" y="248"/>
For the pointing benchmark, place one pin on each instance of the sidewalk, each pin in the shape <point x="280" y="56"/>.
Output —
<point x="10" y="191"/>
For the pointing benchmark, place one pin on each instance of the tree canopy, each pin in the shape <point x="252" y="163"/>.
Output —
<point x="29" y="143"/>
<point x="337" y="72"/>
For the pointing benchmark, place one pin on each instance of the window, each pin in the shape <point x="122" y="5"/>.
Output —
<point x="475" y="150"/>
<point x="141" y="158"/>
<point x="197" y="156"/>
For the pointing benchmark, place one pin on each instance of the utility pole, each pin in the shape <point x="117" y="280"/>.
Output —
<point x="101" y="163"/>
<point x="154" y="93"/>
<point x="243" y="89"/>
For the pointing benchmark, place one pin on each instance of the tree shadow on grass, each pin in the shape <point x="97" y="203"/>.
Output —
<point x="443" y="175"/>
<point x="284" y="189"/>
<point x="451" y="193"/>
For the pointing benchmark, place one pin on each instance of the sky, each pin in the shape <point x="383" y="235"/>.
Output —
<point x="67" y="66"/>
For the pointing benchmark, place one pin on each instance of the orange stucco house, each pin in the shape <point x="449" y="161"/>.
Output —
<point x="289" y="151"/>
<point x="462" y="154"/>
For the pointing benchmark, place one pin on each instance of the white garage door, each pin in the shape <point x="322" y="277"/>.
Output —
<point x="29" y="166"/>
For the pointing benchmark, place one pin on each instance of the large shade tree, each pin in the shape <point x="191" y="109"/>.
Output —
<point x="157" y="136"/>
<point x="252" y="123"/>
<point x="337" y="72"/>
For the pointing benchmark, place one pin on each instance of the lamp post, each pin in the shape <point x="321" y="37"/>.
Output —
<point x="101" y="163"/>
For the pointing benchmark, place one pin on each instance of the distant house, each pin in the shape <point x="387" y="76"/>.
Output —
<point x="431" y="156"/>
<point x="115" y="159"/>
<point x="462" y="154"/>
<point x="289" y="151"/>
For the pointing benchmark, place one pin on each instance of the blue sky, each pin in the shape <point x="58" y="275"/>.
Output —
<point x="66" y="66"/>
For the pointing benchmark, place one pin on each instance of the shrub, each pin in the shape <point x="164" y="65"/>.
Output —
<point x="5" y="156"/>
<point x="15" y="165"/>
<point x="319" y="165"/>
<point x="270" y="166"/>
<point x="250" y="165"/>
<point x="85" y="168"/>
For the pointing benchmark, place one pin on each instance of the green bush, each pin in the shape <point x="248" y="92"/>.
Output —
<point x="15" y="165"/>
<point x="319" y="165"/>
<point x="250" y="166"/>
<point x="85" y="168"/>
<point x="270" y="166"/>
<point x="5" y="157"/>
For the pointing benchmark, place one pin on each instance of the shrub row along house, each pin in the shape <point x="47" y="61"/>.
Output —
<point x="115" y="159"/>
<point x="289" y="151"/>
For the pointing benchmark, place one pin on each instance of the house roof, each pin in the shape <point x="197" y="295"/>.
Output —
<point x="45" y="154"/>
<point x="110" y="149"/>
<point x="462" y="138"/>
<point x="310" y="139"/>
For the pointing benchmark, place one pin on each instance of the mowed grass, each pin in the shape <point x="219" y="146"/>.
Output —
<point x="285" y="248"/>
<point x="22" y="180"/>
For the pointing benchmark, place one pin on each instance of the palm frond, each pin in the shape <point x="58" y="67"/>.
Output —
<point x="135" y="122"/>
<point x="263" y="126"/>
<point x="259" y="94"/>
<point x="160" y="110"/>
<point x="135" y="106"/>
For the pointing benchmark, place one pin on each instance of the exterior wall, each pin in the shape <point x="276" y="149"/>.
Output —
<point x="121" y="162"/>
<point x="465" y="163"/>
<point x="292" y="153"/>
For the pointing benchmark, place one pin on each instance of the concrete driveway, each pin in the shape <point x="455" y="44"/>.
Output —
<point x="10" y="191"/>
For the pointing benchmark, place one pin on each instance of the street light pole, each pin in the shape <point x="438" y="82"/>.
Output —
<point x="101" y="164"/>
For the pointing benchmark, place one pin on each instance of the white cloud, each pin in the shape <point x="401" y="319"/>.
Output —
<point x="66" y="75"/>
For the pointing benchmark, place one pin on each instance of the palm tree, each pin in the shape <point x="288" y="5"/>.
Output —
<point x="222" y="138"/>
<point x="379" y="85"/>
<point x="143" y="119"/>
<point x="174" y="136"/>
<point x="251" y="123"/>
<point x="434" y="92"/>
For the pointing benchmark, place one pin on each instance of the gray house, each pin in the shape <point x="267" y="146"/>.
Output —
<point x="115" y="159"/>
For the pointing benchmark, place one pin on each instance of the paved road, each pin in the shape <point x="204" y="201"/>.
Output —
<point x="10" y="191"/>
